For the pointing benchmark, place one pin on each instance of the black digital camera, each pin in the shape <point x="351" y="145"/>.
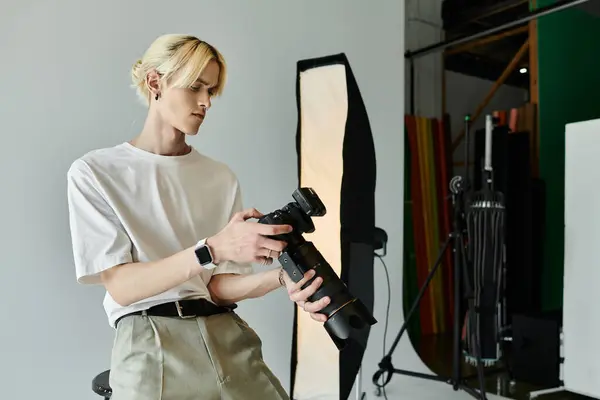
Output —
<point x="345" y="313"/>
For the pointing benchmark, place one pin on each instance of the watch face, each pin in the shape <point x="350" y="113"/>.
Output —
<point x="203" y="255"/>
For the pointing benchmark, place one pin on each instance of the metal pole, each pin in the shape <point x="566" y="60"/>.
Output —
<point x="488" y="39"/>
<point x="560" y="5"/>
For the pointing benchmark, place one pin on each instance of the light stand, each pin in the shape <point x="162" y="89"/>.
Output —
<point x="458" y="187"/>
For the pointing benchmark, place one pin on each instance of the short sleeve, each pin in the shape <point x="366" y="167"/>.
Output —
<point x="229" y="267"/>
<point x="99" y="240"/>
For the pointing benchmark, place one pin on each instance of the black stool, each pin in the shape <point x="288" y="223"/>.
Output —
<point x="100" y="385"/>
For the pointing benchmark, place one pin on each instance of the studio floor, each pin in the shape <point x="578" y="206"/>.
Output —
<point x="436" y="352"/>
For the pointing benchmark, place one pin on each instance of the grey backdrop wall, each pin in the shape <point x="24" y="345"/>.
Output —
<point x="65" y="91"/>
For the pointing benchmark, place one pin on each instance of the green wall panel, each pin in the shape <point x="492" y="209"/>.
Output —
<point x="569" y="90"/>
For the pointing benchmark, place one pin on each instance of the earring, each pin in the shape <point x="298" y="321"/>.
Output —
<point x="156" y="97"/>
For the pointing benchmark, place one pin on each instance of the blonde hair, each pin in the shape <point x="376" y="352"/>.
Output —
<point x="173" y="53"/>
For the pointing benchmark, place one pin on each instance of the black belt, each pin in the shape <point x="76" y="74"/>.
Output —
<point x="184" y="309"/>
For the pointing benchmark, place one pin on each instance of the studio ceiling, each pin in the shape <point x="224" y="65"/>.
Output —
<point x="488" y="60"/>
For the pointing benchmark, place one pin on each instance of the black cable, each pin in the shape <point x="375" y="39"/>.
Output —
<point x="387" y="316"/>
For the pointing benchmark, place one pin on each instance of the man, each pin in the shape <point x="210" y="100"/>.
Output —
<point x="162" y="227"/>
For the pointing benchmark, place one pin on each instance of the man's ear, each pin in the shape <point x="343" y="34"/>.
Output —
<point x="153" y="82"/>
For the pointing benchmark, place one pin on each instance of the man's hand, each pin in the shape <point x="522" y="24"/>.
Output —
<point x="300" y="296"/>
<point x="245" y="241"/>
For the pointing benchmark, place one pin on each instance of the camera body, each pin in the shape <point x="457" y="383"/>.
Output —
<point x="345" y="313"/>
<point x="297" y="214"/>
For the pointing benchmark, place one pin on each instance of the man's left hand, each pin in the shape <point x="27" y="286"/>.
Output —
<point x="300" y="296"/>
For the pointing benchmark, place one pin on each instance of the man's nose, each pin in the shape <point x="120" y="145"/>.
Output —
<point x="204" y="102"/>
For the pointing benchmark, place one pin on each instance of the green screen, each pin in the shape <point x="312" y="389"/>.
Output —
<point x="569" y="86"/>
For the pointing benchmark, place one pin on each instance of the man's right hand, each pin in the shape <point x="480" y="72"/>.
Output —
<point x="245" y="241"/>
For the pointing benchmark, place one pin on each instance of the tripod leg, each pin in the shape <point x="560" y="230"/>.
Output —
<point x="456" y="366"/>
<point x="386" y="363"/>
<point x="415" y="304"/>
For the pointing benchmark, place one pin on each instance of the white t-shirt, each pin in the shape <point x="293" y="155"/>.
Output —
<point x="130" y="205"/>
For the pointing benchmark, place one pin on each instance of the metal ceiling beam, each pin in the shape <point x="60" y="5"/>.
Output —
<point x="560" y="5"/>
<point x="476" y="13"/>
<point x="487" y="40"/>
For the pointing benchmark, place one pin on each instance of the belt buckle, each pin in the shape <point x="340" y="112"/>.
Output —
<point x="180" y="311"/>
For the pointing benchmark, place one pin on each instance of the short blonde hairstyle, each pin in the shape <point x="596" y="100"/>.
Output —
<point x="176" y="53"/>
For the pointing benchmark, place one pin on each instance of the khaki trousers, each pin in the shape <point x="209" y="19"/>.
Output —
<point x="203" y="358"/>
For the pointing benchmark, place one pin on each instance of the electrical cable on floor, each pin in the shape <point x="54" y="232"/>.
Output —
<point x="387" y="314"/>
